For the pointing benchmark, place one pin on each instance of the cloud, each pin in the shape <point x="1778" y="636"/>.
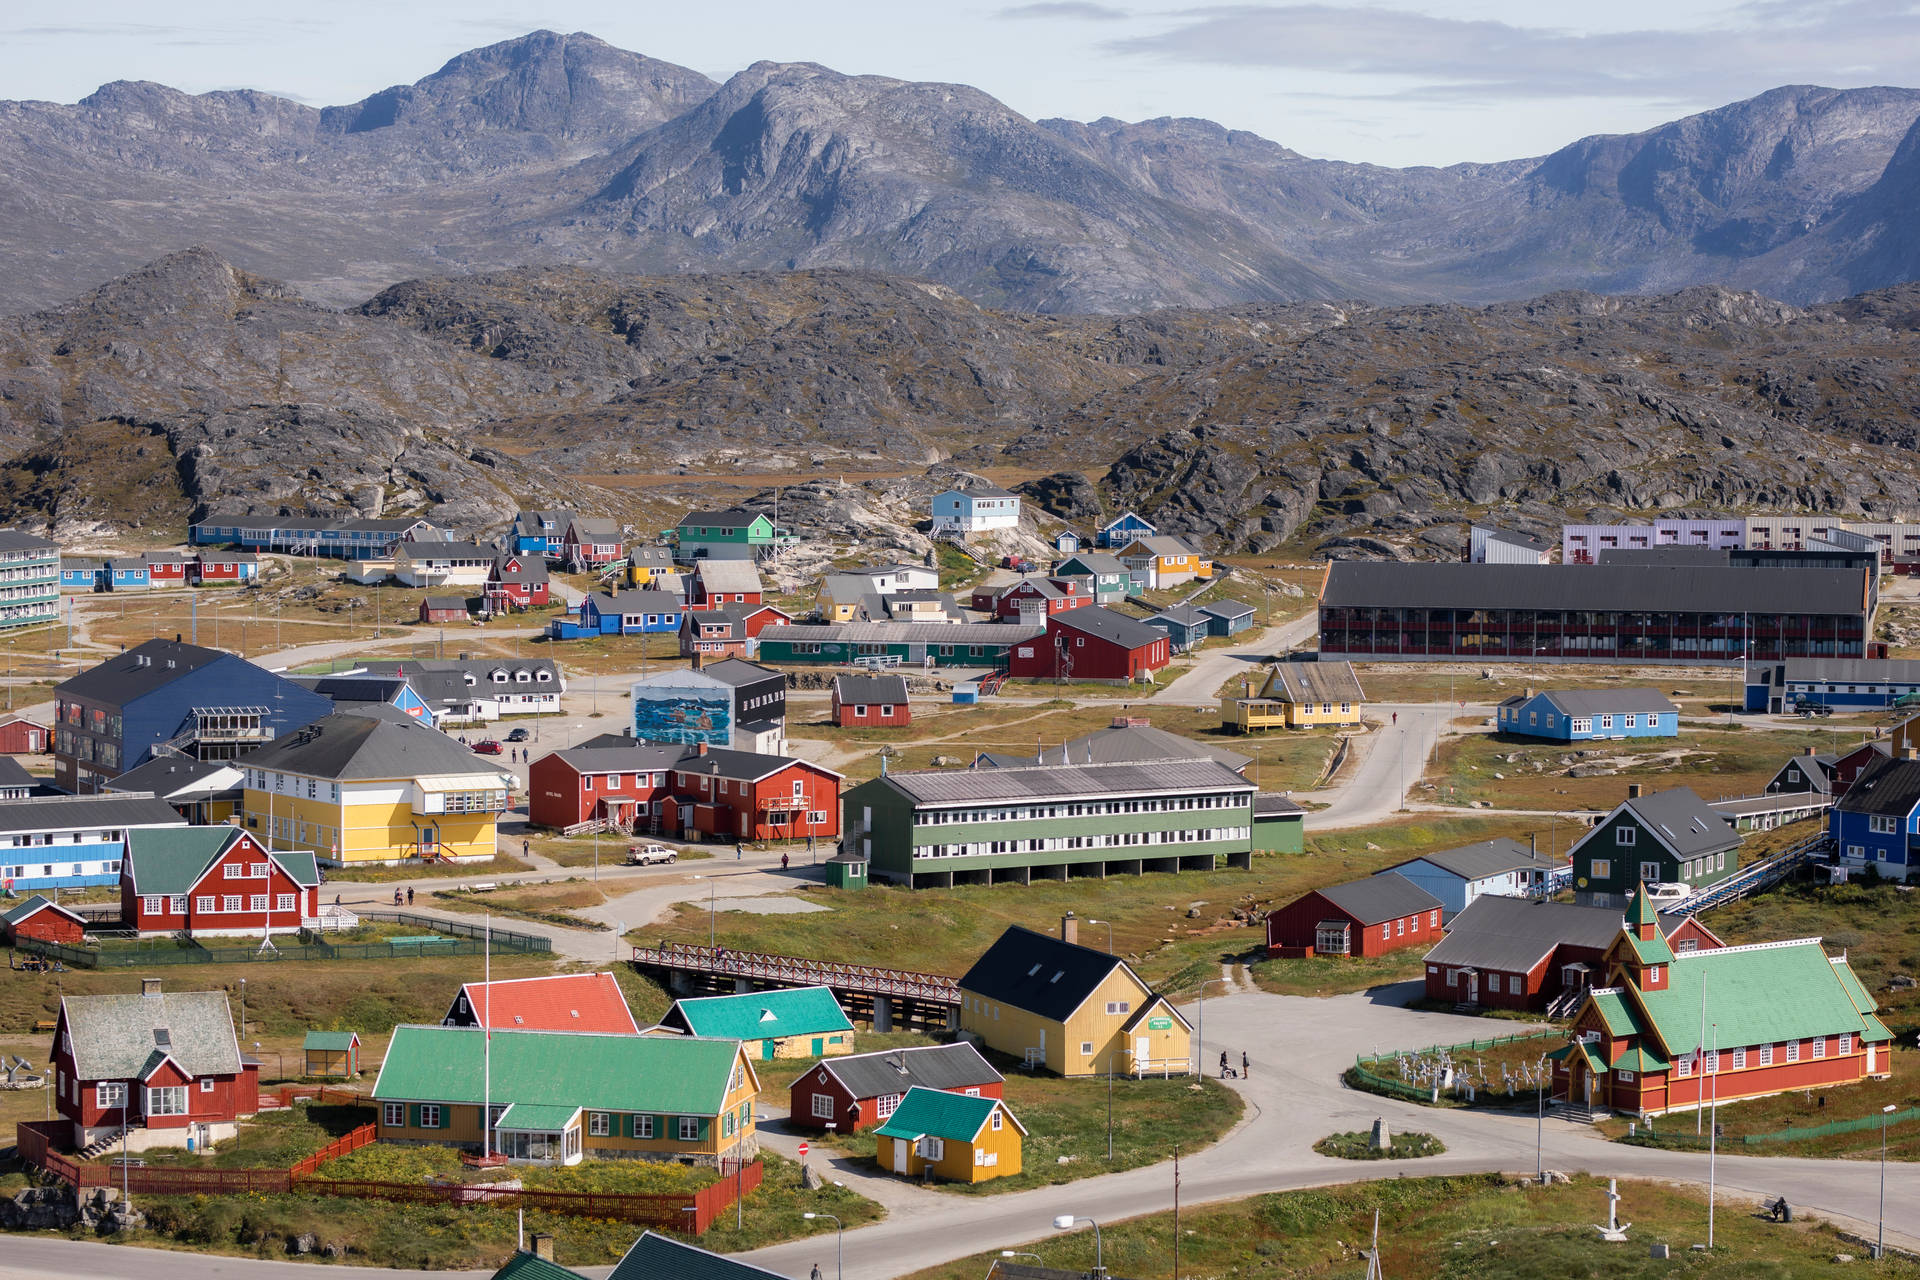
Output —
<point x="1420" y="56"/>
<point x="1077" y="9"/>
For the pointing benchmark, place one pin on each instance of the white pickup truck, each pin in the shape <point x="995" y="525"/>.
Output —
<point x="640" y="855"/>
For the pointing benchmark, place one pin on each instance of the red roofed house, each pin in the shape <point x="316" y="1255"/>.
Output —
<point x="1367" y="917"/>
<point x="165" y="1067"/>
<point x="853" y="1092"/>
<point x="45" y="921"/>
<point x="623" y="784"/>
<point x="1092" y="644"/>
<point x="562" y="1002"/>
<point x="211" y="882"/>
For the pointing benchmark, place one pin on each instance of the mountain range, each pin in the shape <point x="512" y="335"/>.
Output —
<point x="561" y="150"/>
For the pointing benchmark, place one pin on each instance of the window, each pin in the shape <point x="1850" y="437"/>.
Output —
<point x="230" y="872"/>
<point x="1626" y="1077"/>
<point x="1386" y="932"/>
<point x="1517" y="985"/>
<point x="154" y="906"/>
<point x="599" y="1124"/>
<point x="886" y="1104"/>
<point x="1400" y="926"/>
<point x="1793" y="1051"/>
<point x="1600" y="869"/>
<point x="1739" y="1059"/>
<point x="823" y="1106"/>
<point x="230" y="902"/>
<point x="206" y="1084"/>
<point x="393" y="1114"/>
<point x="1883" y="825"/>
<point x="257" y="902"/>
<point x="1119" y="1006"/>
<point x="996" y="1119"/>
<point x="1766" y="1055"/>
<point x="1625" y="835"/>
<point x="1684" y="1066"/>
<point x="109" y="1095"/>
<point x="429" y="1115"/>
<point x="283" y="902"/>
<point x="203" y="904"/>
<point x="1820" y="1047"/>
<point x="1650" y="872"/>
<point x="931" y="1148"/>
<point x="1845" y="1045"/>
<point x="1086" y="1048"/>
<point x="643" y="1126"/>
<point x="176" y="904"/>
<point x="689" y="1128"/>
<point x="169" y="1101"/>
<point x="1713" y="1061"/>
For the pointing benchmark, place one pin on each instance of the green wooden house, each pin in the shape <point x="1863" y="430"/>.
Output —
<point x="720" y="534"/>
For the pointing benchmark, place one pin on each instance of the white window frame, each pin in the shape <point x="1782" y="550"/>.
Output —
<point x="689" y="1128"/>
<point x="823" y="1106"/>
<point x="161" y="1100"/>
<point x="110" y="1094"/>
<point x="393" y="1115"/>
<point x="599" y="1124"/>
<point x="1766" y="1055"/>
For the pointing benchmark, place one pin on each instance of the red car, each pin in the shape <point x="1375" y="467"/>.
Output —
<point x="487" y="747"/>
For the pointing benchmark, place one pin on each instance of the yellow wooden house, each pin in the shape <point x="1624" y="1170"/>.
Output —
<point x="1297" y="695"/>
<point x="360" y="789"/>
<point x="559" y="1097"/>
<point x="1072" y="1010"/>
<point x="932" y="1133"/>
<point x="1166" y="560"/>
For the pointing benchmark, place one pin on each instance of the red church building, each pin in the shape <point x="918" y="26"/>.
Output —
<point x="212" y="882"/>
<point x="166" y="1068"/>
<point x="873" y="701"/>
<point x="741" y="795"/>
<point x="624" y="785"/>
<point x="861" y="1090"/>
<point x="1367" y="917"/>
<point x="1091" y="644"/>
<point x="1781" y="1015"/>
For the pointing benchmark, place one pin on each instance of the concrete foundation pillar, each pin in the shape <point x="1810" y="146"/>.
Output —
<point x="882" y="1013"/>
<point x="741" y="986"/>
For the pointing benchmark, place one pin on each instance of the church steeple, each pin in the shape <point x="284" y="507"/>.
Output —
<point x="1641" y="916"/>
<point x="1640" y="954"/>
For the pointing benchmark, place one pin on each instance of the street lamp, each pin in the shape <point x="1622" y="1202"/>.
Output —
<point x="840" y="1232"/>
<point x="1067" y="1222"/>
<point x="1200" y="1029"/>
<point x="1880" y="1247"/>
<point x="1009" y="1253"/>
<point x="710" y="925"/>
<point x="1109" y="925"/>
<point x="1540" y="1121"/>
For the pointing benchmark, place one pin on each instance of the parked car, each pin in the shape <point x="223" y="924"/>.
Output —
<point x="488" y="747"/>
<point x="640" y="855"/>
<point x="519" y="735"/>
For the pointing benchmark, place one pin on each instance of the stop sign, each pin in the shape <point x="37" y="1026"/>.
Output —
<point x="803" y="1151"/>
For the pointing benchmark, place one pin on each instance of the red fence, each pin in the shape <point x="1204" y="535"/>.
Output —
<point x="682" y="1213"/>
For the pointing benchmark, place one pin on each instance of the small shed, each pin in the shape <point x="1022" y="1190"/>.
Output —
<point x="846" y="871"/>
<point x="44" y="921"/>
<point x="443" y="609"/>
<point x="1228" y="617"/>
<point x="932" y="1134"/>
<point x="20" y="736"/>
<point x="332" y="1053"/>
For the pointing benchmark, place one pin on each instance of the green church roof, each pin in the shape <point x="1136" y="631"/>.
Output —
<point x="1760" y="994"/>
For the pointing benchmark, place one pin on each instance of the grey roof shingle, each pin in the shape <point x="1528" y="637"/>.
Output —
<point x="739" y="673"/>
<point x="1091" y="563"/>
<point x="1853" y="670"/>
<point x="1115" y="628"/>
<point x="139" y="670"/>
<point x="934" y="1066"/>
<point x="1885" y="787"/>
<point x="628" y="757"/>
<point x="1487" y="858"/>
<point x="1682" y="820"/>
<point x="119" y="1037"/>
<point x="15" y="540"/>
<point x="1122" y="744"/>
<point x="72" y="813"/>
<point x="973" y="786"/>
<point x="739" y="576"/>
<point x="867" y="690"/>
<point x="178" y="777"/>
<point x="347" y="747"/>
<point x="748" y="766"/>
<point x="1266" y="804"/>
<point x="1514" y="934"/>
<point x="1304" y="682"/>
<point x="1606" y="588"/>
<point x="1227" y="608"/>
<point x="1387" y="896"/>
<point x="1600" y="702"/>
<point x="1186" y="615"/>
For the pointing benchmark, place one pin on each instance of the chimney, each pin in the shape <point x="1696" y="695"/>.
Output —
<point x="1633" y="791"/>
<point x="149" y="986"/>
<point x="699" y="748"/>
<point x="1809" y="751"/>
<point x="1527" y="693"/>
<point x="1909" y="753"/>
<point x="543" y="1245"/>
<point x="1070" y="928"/>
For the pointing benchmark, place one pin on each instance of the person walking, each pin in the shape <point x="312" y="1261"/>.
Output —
<point x="1396" y="717"/>
<point x="1246" y="1068"/>
<point x="739" y="850"/>
<point x="526" y="848"/>
<point x="396" y="895"/>
<point x="783" y="862"/>
<point x="1224" y="1068"/>
<point x="409" y="895"/>
<point x="816" y="1272"/>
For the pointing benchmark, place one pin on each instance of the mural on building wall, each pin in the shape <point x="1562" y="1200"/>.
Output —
<point x="662" y="713"/>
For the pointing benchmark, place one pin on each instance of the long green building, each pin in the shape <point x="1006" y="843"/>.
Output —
<point x="939" y="828"/>
<point x="904" y="644"/>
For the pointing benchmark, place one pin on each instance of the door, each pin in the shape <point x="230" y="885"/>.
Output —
<point x="766" y="1051"/>
<point x="819" y="1046"/>
<point x="1473" y="987"/>
<point x="1142" y="1052"/>
<point x="900" y="1146"/>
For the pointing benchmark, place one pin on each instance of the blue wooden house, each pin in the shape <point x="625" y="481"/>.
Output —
<point x="81" y="573"/>
<point x="1066" y="542"/>
<point x="541" y="533"/>
<point x="1228" y="617"/>
<point x="630" y="613"/>
<point x="1122" y="531"/>
<point x="1186" y="625"/>
<point x="1877" y="822"/>
<point x="128" y="573"/>
<point x="1578" y="715"/>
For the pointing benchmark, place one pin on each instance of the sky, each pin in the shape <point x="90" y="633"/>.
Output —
<point x="1396" y="82"/>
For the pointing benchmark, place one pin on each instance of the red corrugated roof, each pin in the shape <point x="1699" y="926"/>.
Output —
<point x="563" y="1002"/>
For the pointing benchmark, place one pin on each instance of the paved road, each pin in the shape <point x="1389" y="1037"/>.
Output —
<point x="1200" y="685"/>
<point x="1385" y="763"/>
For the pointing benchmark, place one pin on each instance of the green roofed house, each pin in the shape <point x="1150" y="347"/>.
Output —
<point x="951" y="1136"/>
<point x="331" y="1053"/>
<point x="560" y="1096"/>
<point x="794" y="1022"/>
<point x="210" y="882"/>
<point x="1780" y="1016"/>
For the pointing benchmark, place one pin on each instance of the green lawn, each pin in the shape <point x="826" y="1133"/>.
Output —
<point x="1465" y="1228"/>
<point x="272" y="1140"/>
<point x="499" y="865"/>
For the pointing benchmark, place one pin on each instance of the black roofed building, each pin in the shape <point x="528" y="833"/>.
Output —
<point x="1592" y="614"/>
<point x="874" y="701"/>
<point x="1072" y="1010"/>
<point x="854" y="1092"/>
<point x="1369" y="917"/>
<point x="1670" y="837"/>
<point x="936" y="829"/>
<point x="1128" y="740"/>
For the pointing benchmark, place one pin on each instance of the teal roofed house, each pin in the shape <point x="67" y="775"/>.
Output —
<point x="795" y="1022"/>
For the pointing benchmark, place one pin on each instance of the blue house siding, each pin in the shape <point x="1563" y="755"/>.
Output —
<point x="1219" y="626"/>
<point x="1456" y="892"/>
<point x="166" y="712"/>
<point x="1183" y="635"/>
<point x="594" y="622"/>
<point x="62" y="866"/>
<point x="1893" y="853"/>
<point x="1541" y="718"/>
<point x="1125" y="530"/>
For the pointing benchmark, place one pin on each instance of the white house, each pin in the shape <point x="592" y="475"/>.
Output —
<point x="972" y="510"/>
<point x="442" y="564"/>
<point x="887" y="579"/>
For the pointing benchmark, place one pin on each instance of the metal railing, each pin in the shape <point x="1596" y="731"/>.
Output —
<point x="1750" y="880"/>
<point x="796" y="972"/>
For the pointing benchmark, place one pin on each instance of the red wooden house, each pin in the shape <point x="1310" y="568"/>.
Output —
<point x="879" y="700"/>
<point x="44" y="921"/>
<point x="1092" y="644"/>
<point x="165" y="569"/>
<point x="212" y="566"/>
<point x="518" y="582"/>
<point x="20" y="736"/>
<point x="739" y="795"/>
<point x="1369" y="917"/>
<point x="1525" y="954"/>
<point x="1035" y="599"/>
<point x="443" y="609"/>
<point x="212" y="882"/>
<point x="1780" y="1016"/>
<point x="557" y="1002"/>
<point x="860" y="1090"/>
<point x="591" y="543"/>
<point x="167" y="1068"/>
<point x="1850" y="766"/>
<point x="622" y="784"/>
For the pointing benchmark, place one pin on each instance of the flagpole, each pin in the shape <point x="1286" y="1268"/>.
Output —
<point x="486" y="1050"/>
